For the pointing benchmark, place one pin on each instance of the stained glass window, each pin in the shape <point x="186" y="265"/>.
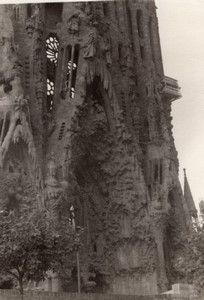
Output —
<point x="72" y="68"/>
<point x="72" y="93"/>
<point x="50" y="87"/>
<point x="52" y="50"/>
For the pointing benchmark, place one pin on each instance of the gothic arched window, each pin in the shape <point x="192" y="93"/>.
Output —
<point x="52" y="50"/>
<point x="73" y="56"/>
<point x="72" y="68"/>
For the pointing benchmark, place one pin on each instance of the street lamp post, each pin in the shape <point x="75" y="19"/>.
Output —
<point x="77" y="241"/>
<point x="77" y="230"/>
<point x="78" y="272"/>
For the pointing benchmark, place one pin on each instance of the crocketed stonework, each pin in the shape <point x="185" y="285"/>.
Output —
<point x="85" y="114"/>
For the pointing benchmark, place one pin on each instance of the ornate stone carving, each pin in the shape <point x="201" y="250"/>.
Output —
<point x="39" y="89"/>
<point x="98" y="61"/>
<point x="30" y="26"/>
<point x="97" y="46"/>
<point x="74" y="24"/>
<point x="49" y="124"/>
<point x="54" y="193"/>
<point x="38" y="25"/>
<point x="100" y="164"/>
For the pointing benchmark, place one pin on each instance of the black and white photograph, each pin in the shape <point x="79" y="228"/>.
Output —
<point x="102" y="150"/>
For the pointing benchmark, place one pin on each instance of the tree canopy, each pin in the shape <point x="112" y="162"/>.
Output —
<point x="31" y="244"/>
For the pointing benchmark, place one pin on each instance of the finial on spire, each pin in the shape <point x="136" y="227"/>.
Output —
<point x="184" y="170"/>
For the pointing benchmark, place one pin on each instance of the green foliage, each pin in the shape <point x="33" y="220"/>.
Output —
<point x="31" y="244"/>
<point x="190" y="264"/>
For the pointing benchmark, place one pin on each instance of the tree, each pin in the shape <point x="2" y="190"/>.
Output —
<point x="31" y="244"/>
<point x="190" y="264"/>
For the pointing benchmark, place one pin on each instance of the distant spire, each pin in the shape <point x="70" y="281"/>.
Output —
<point x="188" y="197"/>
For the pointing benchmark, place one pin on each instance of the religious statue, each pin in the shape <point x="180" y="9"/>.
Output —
<point x="92" y="44"/>
<point x="54" y="192"/>
<point x="73" y="24"/>
<point x="97" y="45"/>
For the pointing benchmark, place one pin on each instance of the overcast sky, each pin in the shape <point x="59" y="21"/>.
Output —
<point x="181" y="26"/>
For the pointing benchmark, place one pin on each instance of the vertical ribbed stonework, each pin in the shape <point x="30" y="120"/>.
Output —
<point x="99" y="112"/>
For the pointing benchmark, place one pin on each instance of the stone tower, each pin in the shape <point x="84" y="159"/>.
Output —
<point x="83" y="84"/>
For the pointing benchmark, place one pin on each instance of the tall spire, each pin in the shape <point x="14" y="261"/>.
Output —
<point x="188" y="197"/>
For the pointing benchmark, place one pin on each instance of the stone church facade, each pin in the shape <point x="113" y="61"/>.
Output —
<point x="85" y="112"/>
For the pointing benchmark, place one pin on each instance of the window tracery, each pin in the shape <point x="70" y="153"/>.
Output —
<point x="73" y="56"/>
<point x="52" y="50"/>
<point x="71" y="67"/>
<point x="50" y="87"/>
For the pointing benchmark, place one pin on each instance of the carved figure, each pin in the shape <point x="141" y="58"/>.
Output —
<point x="92" y="44"/>
<point x="52" y="193"/>
<point x="52" y="172"/>
<point x="106" y="43"/>
<point x="49" y="123"/>
<point x="30" y="25"/>
<point x="8" y="60"/>
<point x="55" y="191"/>
<point x="15" y="104"/>
<point x="73" y="24"/>
<point x="65" y="89"/>
<point x="97" y="45"/>
<point x="36" y="16"/>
